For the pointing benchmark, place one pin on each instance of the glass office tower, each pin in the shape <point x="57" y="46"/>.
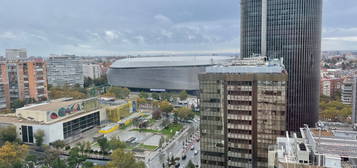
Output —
<point x="290" y="29"/>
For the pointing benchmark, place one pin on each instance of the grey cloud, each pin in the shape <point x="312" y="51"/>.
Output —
<point x="96" y="27"/>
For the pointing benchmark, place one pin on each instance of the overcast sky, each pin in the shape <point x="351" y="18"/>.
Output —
<point x="112" y="27"/>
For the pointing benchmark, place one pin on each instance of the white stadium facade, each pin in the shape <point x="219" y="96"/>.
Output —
<point x="162" y="73"/>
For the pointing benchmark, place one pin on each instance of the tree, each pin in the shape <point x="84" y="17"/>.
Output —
<point x="155" y="96"/>
<point x="103" y="144"/>
<point x="143" y="95"/>
<point x="103" y="80"/>
<point x="39" y="137"/>
<point x="141" y="100"/>
<point x="190" y="164"/>
<point x="334" y="111"/>
<point x="121" y="159"/>
<point x="166" y="107"/>
<point x="82" y="147"/>
<point x="58" y="144"/>
<point x="17" y="104"/>
<point x="87" y="164"/>
<point x="32" y="160"/>
<point x="165" y="96"/>
<point x="156" y="114"/>
<point x="119" y="92"/>
<point x="66" y="91"/>
<point x="8" y="134"/>
<point x="115" y="143"/>
<point x="184" y="113"/>
<point x="75" y="159"/>
<point x="183" y="95"/>
<point x="52" y="159"/>
<point x="12" y="154"/>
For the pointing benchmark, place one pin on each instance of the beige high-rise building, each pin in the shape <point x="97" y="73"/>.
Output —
<point x="243" y="111"/>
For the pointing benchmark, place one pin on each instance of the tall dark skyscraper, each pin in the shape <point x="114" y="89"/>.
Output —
<point x="290" y="29"/>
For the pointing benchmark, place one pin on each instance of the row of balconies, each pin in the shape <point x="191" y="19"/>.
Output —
<point x="239" y="126"/>
<point x="239" y="145"/>
<point x="236" y="97"/>
<point x="241" y="88"/>
<point x="239" y="155"/>
<point x="239" y="117"/>
<point x="238" y="107"/>
<point x="239" y="136"/>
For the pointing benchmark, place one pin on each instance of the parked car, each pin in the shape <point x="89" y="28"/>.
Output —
<point x="177" y="165"/>
<point x="196" y="152"/>
<point x="184" y="156"/>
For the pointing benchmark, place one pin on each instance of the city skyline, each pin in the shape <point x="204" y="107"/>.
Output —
<point x="155" y="27"/>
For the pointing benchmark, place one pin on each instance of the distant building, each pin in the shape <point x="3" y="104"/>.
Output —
<point x="330" y="87"/>
<point x="65" y="70"/>
<point x="354" y="100"/>
<point x="162" y="73"/>
<point x="24" y="80"/>
<point x="243" y="111"/>
<point x="346" y="91"/>
<point x="315" y="148"/>
<point x="4" y="88"/>
<point x="92" y="71"/>
<point x="15" y="54"/>
<point x="60" y="119"/>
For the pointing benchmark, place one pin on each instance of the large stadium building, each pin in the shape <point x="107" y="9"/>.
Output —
<point x="163" y="73"/>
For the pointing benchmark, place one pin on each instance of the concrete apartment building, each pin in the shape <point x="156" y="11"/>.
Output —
<point x="354" y="100"/>
<point x="65" y="70"/>
<point x="243" y="111"/>
<point x="315" y="148"/>
<point x="330" y="86"/>
<point x="27" y="80"/>
<point x="346" y="91"/>
<point x="92" y="71"/>
<point x="15" y="54"/>
<point x="24" y="80"/>
<point x="61" y="119"/>
<point x="4" y="88"/>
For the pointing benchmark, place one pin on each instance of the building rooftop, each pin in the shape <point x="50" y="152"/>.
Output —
<point x="14" y="119"/>
<point x="333" y="142"/>
<point x="170" y="61"/>
<point x="258" y="64"/>
<point x="49" y="106"/>
<point x="245" y="69"/>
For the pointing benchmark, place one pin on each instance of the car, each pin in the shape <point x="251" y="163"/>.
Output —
<point x="177" y="165"/>
<point x="183" y="157"/>
<point x="192" y="147"/>
<point x="196" y="152"/>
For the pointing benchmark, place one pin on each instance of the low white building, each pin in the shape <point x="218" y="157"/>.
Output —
<point x="315" y="148"/>
<point x="60" y="119"/>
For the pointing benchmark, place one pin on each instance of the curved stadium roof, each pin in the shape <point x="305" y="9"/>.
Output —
<point x="170" y="61"/>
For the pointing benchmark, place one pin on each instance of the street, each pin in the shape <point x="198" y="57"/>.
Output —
<point x="176" y="148"/>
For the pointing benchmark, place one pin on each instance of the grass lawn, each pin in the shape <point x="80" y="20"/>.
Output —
<point x="169" y="131"/>
<point x="152" y="121"/>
